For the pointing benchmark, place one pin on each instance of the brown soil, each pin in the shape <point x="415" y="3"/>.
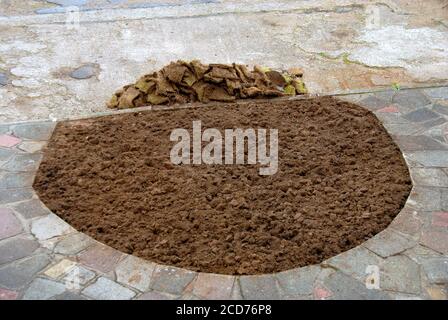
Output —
<point x="181" y="82"/>
<point x="341" y="180"/>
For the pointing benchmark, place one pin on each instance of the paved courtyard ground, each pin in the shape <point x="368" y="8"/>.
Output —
<point x="42" y="257"/>
<point x="51" y="69"/>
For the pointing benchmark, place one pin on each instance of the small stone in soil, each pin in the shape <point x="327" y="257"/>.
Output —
<point x="83" y="72"/>
<point x="3" y="79"/>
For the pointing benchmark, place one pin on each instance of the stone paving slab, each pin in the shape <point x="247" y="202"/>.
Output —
<point x="436" y="240"/>
<point x="18" y="274"/>
<point x="409" y="143"/>
<point x="100" y="257"/>
<point x="402" y="128"/>
<point x="41" y="256"/>
<point x="8" y="141"/>
<point x="15" y="195"/>
<point x="31" y="146"/>
<point x="6" y="154"/>
<point x="34" y="131"/>
<point x="355" y="262"/>
<point x="16" y="180"/>
<point x="107" y="289"/>
<point x="23" y="162"/>
<point x="436" y="270"/>
<point x="437" y="93"/>
<point x="432" y="158"/>
<point x="72" y="244"/>
<point x="298" y="282"/>
<point x="264" y="287"/>
<point x="6" y="294"/>
<point x="43" y="289"/>
<point x="10" y="225"/>
<point x="400" y="274"/>
<point x="426" y="198"/>
<point x="437" y="292"/>
<point x="408" y="223"/>
<point x="82" y="276"/>
<point x="135" y="273"/>
<point x="432" y="177"/>
<point x="171" y="280"/>
<point x="48" y="227"/>
<point x="411" y="100"/>
<point x="343" y="287"/>
<point x="62" y="267"/>
<point x="388" y="243"/>
<point x="214" y="287"/>
<point x="16" y="248"/>
<point x="31" y="209"/>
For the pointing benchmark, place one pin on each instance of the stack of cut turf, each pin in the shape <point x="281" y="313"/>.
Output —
<point x="182" y="82"/>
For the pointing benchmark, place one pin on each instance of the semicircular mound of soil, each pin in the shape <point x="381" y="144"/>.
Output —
<point x="340" y="180"/>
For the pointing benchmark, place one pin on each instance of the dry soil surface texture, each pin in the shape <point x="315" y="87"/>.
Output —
<point x="341" y="180"/>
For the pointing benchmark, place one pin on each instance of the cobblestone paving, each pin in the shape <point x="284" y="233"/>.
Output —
<point x="42" y="257"/>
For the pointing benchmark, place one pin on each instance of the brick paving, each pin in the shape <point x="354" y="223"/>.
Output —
<point x="41" y="257"/>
